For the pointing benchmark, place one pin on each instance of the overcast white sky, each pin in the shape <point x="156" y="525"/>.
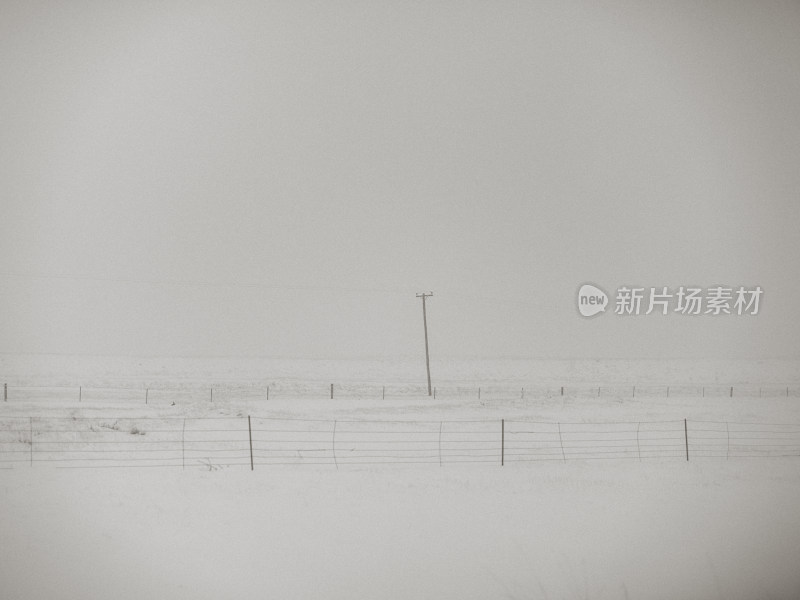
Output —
<point x="280" y="178"/>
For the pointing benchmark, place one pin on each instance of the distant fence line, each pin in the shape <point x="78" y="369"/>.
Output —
<point x="334" y="391"/>
<point x="250" y="442"/>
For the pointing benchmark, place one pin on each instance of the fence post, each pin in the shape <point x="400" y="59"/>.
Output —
<point x="562" y="390"/>
<point x="5" y="392"/>
<point x="502" y="442"/>
<point x="80" y="393"/>
<point x="31" y="431"/>
<point x="212" y="394"/>
<point x="686" y="437"/>
<point x="333" y="446"/>
<point x="728" y="432"/>
<point x="522" y="397"/>
<point x="638" y="446"/>
<point x="331" y="391"/>
<point x="267" y="392"/>
<point x="250" y="434"/>
<point x="731" y="391"/>
<point x="183" y="444"/>
<point x="434" y="393"/>
<point x="146" y="395"/>
<point x="383" y="393"/>
<point x="441" y="423"/>
<point x="479" y="393"/>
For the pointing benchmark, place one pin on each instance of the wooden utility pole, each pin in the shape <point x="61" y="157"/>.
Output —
<point x="425" y="324"/>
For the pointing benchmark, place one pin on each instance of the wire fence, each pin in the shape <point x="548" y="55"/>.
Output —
<point x="316" y="390"/>
<point x="250" y="442"/>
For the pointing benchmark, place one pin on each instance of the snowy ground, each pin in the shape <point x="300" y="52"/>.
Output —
<point x="672" y="529"/>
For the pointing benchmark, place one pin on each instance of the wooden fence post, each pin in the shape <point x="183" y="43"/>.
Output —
<point x="502" y="442"/>
<point x="331" y="391"/>
<point x="80" y="393"/>
<point x="333" y="446"/>
<point x="728" y="435"/>
<point x="5" y="392"/>
<point x="686" y="437"/>
<point x="183" y="444"/>
<point x="638" y="445"/>
<point x="441" y="424"/>
<point x="250" y="433"/>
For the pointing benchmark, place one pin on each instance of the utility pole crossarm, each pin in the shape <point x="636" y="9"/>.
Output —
<point x="425" y="324"/>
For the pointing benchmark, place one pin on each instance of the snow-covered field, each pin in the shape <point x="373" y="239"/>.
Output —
<point x="652" y="528"/>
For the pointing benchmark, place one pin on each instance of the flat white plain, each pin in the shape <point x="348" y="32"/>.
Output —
<point x="707" y="528"/>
